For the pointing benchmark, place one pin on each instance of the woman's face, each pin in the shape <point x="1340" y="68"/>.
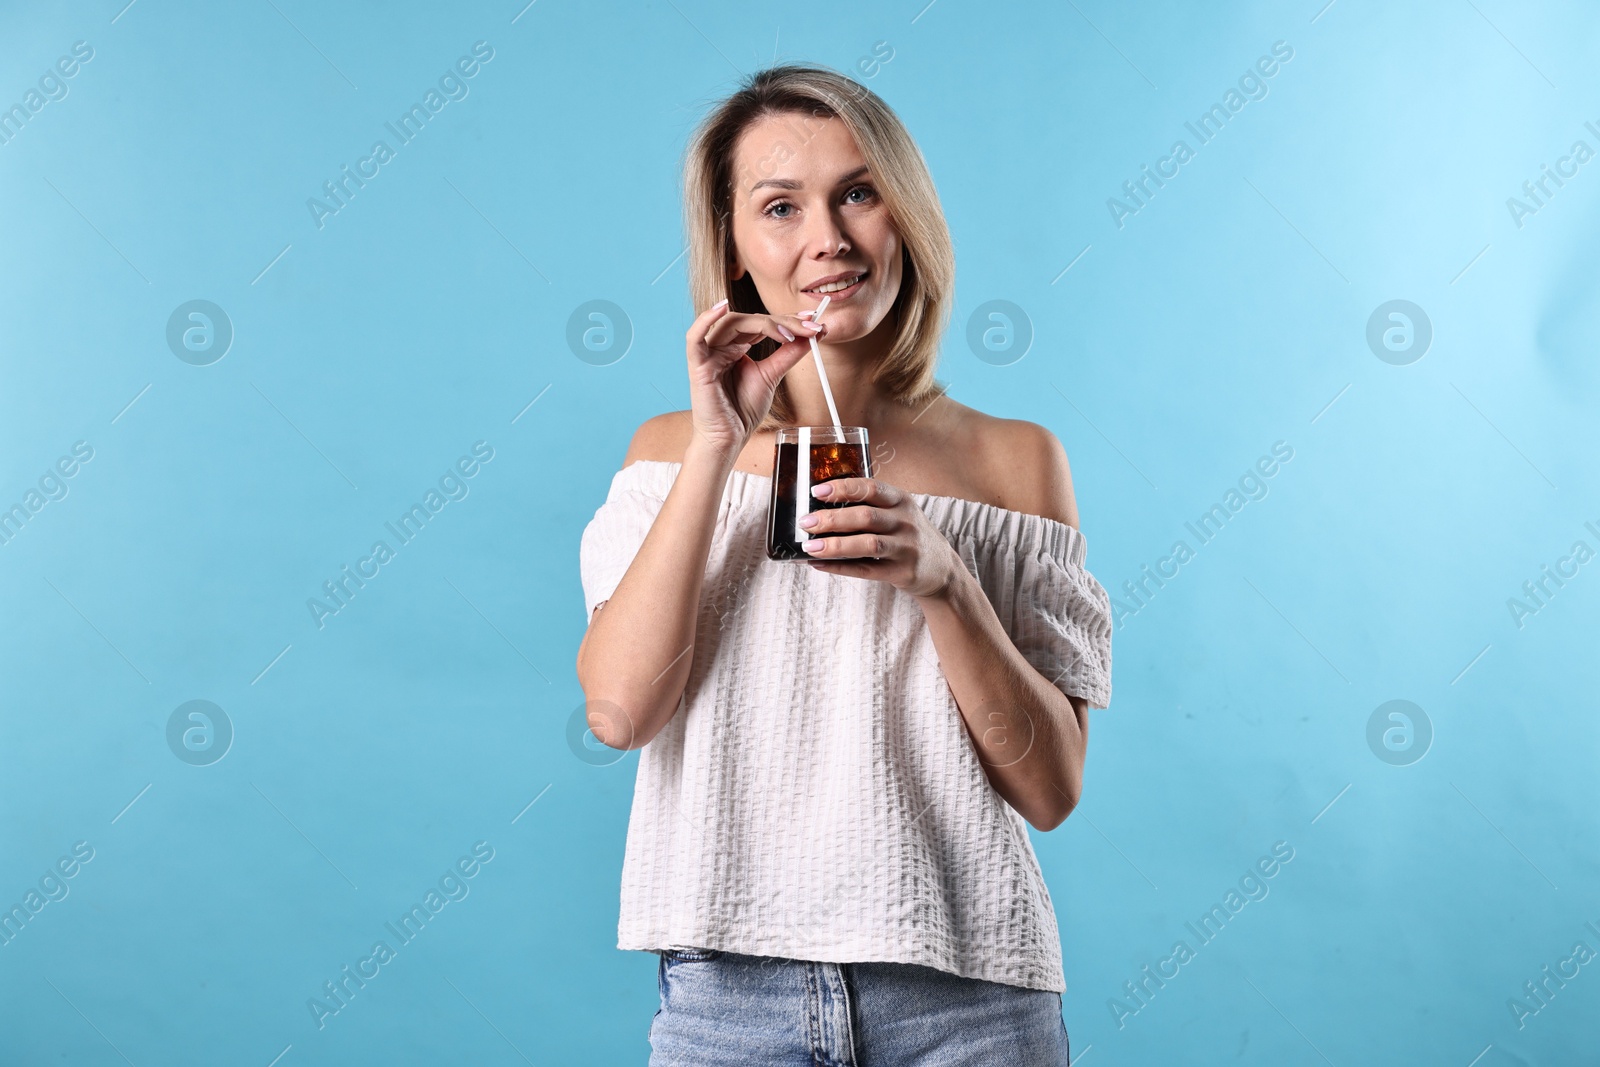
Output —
<point x="806" y="209"/>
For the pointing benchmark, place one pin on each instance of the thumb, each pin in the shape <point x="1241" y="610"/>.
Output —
<point x="783" y="359"/>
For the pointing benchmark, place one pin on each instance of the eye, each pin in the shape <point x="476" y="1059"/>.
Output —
<point x="771" y="210"/>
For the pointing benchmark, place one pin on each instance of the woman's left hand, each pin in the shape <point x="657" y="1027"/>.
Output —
<point x="881" y="521"/>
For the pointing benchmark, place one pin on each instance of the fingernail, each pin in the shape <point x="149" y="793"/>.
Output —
<point x="823" y="491"/>
<point x="804" y="314"/>
<point x="813" y="545"/>
<point x="808" y="521"/>
<point x="785" y="331"/>
<point x="719" y="303"/>
<point x="808" y="324"/>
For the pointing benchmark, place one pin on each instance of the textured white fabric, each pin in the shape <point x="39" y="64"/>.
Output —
<point x="817" y="795"/>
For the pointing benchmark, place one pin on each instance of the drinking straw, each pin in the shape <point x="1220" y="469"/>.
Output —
<point x="802" y="489"/>
<point x="827" y="393"/>
<point x="803" y="472"/>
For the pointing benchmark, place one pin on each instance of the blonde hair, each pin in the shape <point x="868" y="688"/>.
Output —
<point x="901" y="177"/>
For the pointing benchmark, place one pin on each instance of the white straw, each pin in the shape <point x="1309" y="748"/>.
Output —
<point x="802" y="489"/>
<point x="827" y="393"/>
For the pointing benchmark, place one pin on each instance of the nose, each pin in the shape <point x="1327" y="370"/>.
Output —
<point x="827" y="239"/>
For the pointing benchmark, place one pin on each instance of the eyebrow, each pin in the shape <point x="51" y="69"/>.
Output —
<point x="786" y="183"/>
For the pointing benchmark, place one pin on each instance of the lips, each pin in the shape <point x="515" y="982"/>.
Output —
<point x="831" y="283"/>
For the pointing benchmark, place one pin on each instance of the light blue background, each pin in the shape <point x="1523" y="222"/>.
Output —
<point x="1228" y="314"/>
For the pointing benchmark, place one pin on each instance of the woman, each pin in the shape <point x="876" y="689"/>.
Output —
<point x="827" y="843"/>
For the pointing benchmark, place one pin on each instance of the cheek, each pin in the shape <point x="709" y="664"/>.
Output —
<point x="886" y="242"/>
<point x="761" y="247"/>
<point x="776" y="250"/>
<point x="890" y="274"/>
<point x="775" y="272"/>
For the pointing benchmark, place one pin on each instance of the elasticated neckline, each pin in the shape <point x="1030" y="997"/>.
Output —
<point x="957" y="517"/>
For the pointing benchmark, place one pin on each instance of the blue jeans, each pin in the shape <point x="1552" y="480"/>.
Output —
<point x="725" y="1009"/>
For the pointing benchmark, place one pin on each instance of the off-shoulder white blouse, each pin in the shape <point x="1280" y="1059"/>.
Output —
<point x="816" y="795"/>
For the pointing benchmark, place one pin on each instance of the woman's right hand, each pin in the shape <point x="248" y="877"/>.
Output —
<point x="730" y="393"/>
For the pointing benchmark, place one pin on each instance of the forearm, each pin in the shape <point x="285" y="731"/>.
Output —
<point x="635" y="658"/>
<point x="1029" y="736"/>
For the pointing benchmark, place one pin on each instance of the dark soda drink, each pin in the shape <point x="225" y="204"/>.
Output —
<point x="807" y="455"/>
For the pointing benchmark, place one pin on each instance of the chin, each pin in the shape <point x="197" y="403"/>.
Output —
<point x="857" y="324"/>
<point x="845" y="328"/>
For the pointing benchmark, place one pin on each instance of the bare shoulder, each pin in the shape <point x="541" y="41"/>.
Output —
<point x="1026" y="463"/>
<point x="661" y="437"/>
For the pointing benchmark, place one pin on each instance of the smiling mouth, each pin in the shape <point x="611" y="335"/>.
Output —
<point x="834" y="288"/>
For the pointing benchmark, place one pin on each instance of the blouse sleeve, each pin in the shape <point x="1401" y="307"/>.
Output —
<point x="1062" y="625"/>
<point x="611" y="540"/>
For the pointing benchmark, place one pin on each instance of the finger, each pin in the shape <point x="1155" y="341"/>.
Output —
<point x="868" y="545"/>
<point x="747" y="330"/>
<point x="856" y="568"/>
<point x="861" y="517"/>
<point x="807" y="327"/>
<point x="781" y="361"/>
<point x="703" y="321"/>
<point x="859" y="490"/>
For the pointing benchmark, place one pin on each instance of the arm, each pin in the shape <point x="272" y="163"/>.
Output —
<point x="634" y="660"/>
<point x="1030" y="736"/>
<point x="635" y="657"/>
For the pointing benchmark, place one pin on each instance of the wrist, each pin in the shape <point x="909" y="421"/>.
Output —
<point x="956" y="581"/>
<point x="718" y="457"/>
